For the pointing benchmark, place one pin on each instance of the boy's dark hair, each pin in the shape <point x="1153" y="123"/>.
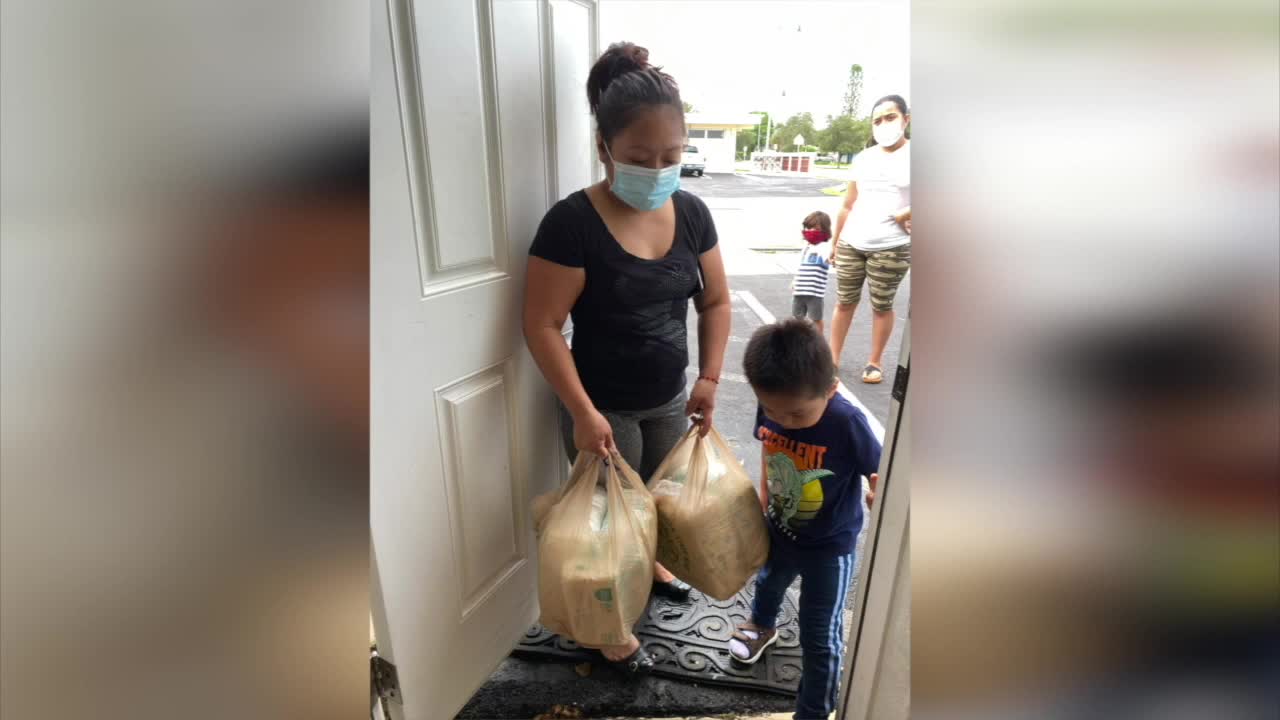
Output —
<point x="622" y="83"/>
<point x="789" y="357"/>
<point x="819" y="220"/>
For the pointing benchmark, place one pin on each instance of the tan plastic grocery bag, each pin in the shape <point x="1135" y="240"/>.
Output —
<point x="711" y="531"/>
<point x="597" y="537"/>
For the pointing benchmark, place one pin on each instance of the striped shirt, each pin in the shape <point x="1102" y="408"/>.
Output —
<point x="811" y="276"/>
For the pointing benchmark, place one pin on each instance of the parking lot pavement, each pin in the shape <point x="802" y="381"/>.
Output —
<point x="748" y="185"/>
<point x="758" y="221"/>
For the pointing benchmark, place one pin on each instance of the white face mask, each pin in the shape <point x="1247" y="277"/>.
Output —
<point x="887" y="133"/>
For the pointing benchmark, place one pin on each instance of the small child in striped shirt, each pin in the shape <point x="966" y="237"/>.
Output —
<point x="810" y="285"/>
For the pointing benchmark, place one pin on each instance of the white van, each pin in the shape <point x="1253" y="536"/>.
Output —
<point x="692" y="162"/>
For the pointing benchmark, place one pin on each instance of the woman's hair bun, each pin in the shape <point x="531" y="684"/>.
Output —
<point x="620" y="59"/>
<point x="623" y="84"/>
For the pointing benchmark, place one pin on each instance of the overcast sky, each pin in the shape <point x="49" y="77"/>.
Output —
<point x="737" y="56"/>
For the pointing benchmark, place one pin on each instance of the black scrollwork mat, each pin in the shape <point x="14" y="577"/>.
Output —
<point x="690" y="641"/>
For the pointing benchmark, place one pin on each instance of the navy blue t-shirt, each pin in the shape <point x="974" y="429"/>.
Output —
<point x="815" y="485"/>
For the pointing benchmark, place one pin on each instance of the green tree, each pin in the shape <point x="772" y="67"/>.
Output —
<point x="801" y="124"/>
<point x="844" y="135"/>
<point x="853" y="91"/>
<point x="747" y="140"/>
<point x="688" y="106"/>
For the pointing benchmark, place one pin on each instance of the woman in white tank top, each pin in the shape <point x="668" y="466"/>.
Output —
<point x="873" y="233"/>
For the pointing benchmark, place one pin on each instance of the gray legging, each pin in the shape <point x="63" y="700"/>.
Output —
<point x="643" y="437"/>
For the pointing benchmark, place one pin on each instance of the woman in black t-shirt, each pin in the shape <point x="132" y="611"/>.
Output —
<point x="624" y="257"/>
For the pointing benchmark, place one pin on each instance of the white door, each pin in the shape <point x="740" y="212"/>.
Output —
<point x="474" y="133"/>
<point x="877" y="666"/>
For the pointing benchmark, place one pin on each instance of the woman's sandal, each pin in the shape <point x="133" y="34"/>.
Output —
<point x="872" y="375"/>
<point x="755" y="646"/>
<point x="636" y="664"/>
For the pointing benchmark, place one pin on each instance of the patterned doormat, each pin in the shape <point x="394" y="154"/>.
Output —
<point x="690" y="641"/>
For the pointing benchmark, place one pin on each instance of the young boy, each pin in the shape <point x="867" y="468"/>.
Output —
<point x="816" y="448"/>
<point x="810" y="285"/>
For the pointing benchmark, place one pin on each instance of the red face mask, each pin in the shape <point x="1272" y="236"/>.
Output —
<point x="814" y="236"/>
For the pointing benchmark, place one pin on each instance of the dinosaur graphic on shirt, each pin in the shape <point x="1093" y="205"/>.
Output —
<point x="795" y="495"/>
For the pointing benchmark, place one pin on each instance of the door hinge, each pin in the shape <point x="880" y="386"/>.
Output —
<point x="386" y="683"/>
<point x="899" y="391"/>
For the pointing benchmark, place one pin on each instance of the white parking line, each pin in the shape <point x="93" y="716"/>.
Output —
<point x="761" y="311"/>
<point x="767" y="318"/>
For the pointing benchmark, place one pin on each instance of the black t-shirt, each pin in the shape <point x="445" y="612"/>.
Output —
<point x="630" y="341"/>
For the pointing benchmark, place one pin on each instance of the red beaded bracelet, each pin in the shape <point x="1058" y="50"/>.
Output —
<point x="707" y="377"/>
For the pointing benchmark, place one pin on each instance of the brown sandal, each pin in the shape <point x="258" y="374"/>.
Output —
<point x="755" y="647"/>
<point x="872" y="375"/>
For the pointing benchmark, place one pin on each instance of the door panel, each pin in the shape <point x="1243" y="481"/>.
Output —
<point x="530" y="177"/>
<point x="571" y="21"/>
<point x="476" y="425"/>
<point x="463" y="430"/>
<point x="455" y="92"/>
<point x="528" y="167"/>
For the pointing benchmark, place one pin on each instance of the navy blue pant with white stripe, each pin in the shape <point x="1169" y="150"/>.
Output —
<point x="824" y="585"/>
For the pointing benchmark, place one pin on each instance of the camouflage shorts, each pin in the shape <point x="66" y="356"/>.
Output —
<point x="885" y="268"/>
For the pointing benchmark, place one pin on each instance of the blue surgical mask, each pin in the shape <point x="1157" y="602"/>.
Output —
<point x="643" y="188"/>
